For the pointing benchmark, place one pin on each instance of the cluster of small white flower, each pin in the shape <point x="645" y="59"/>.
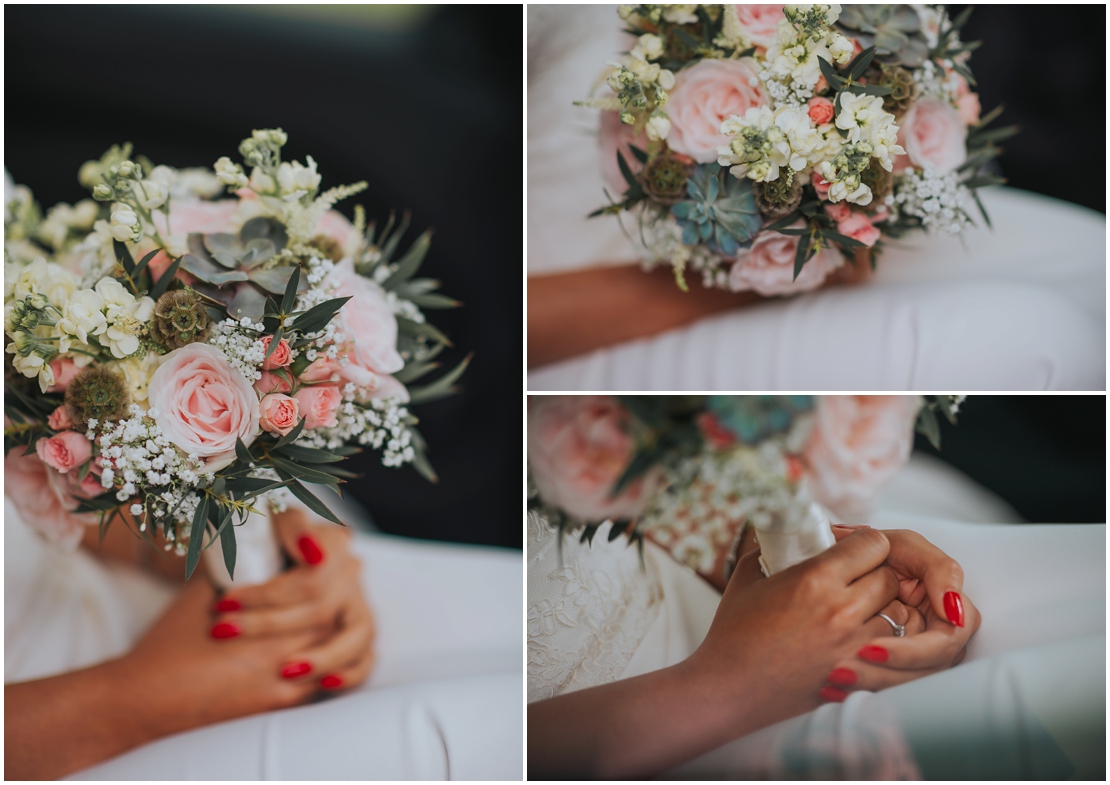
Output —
<point x="403" y="307"/>
<point x="239" y="342"/>
<point x="934" y="82"/>
<point x="664" y="246"/>
<point x="374" y="422"/>
<point x="938" y="200"/>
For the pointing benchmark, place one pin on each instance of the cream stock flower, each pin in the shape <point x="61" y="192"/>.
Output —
<point x="125" y="224"/>
<point x="296" y="180"/>
<point x="83" y="316"/>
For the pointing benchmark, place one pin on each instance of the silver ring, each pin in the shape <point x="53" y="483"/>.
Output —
<point x="899" y="629"/>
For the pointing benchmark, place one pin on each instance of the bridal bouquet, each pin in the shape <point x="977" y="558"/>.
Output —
<point x="762" y="145"/>
<point x="683" y="468"/>
<point x="179" y="357"/>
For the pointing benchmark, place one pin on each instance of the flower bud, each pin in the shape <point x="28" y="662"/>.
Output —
<point x="103" y="192"/>
<point x="128" y="169"/>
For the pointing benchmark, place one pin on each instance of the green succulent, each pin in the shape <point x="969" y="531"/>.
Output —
<point x="894" y="31"/>
<point x="721" y="211"/>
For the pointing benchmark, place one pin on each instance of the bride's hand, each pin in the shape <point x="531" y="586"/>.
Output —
<point x="321" y="592"/>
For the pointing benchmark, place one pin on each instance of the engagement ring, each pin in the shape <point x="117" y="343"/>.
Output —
<point x="899" y="629"/>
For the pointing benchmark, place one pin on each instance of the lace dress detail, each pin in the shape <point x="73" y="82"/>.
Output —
<point x="588" y="610"/>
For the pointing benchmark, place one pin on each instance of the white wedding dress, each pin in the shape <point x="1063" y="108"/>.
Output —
<point x="443" y="702"/>
<point x="1021" y="307"/>
<point x="1027" y="703"/>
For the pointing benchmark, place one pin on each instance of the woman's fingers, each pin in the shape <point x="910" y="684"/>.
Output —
<point x="275" y="620"/>
<point x="914" y="556"/>
<point x="339" y="652"/>
<point x="868" y="595"/>
<point x="857" y="554"/>
<point x="303" y="540"/>
<point x="350" y="676"/>
<point x="854" y="675"/>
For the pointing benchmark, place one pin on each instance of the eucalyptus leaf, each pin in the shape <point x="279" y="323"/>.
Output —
<point x="410" y="262"/>
<point x="196" y="535"/>
<point x="441" y="387"/>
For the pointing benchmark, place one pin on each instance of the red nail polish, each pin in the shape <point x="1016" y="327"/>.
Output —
<point x="295" y="669"/>
<point x="225" y="629"/>
<point x="954" y="608"/>
<point x="846" y="526"/>
<point x="310" y="550"/>
<point x="842" y="677"/>
<point x="227" y="604"/>
<point x="833" y="695"/>
<point x="331" y="682"/>
<point x="873" y="654"/>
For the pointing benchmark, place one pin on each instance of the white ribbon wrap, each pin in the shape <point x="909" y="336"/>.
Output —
<point x="798" y="533"/>
<point x="258" y="556"/>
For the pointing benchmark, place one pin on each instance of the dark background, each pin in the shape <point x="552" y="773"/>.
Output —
<point x="428" y="110"/>
<point x="1044" y="454"/>
<point x="1047" y="65"/>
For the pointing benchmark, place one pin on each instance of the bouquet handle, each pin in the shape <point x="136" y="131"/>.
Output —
<point x="798" y="533"/>
<point x="258" y="554"/>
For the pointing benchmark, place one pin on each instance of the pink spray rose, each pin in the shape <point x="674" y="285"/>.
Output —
<point x="858" y="226"/>
<point x="760" y="23"/>
<point x="838" y="211"/>
<point x="934" y="134"/>
<point x="59" y="419"/>
<point x="203" y="404"/>
<point x="820" y="185"/>
<point x="615" y="136"/>
<point x="44" y="499"/>
<point x="64" y="371"/>
<point x="278" y="413"/>
<point x="578" y="447"/>
<point x="858" y="444"/>
<point x="705" y="95"/>
<point x="768" y="267"/>
<point x="368" y="323"/>
<point x="64" y="451"/>
<point x="322" y="369"/>
<point x="968" y="107"/>
<point x="271" y="382"/>
<point x="319" y="404"/>
<point x="281" y="356"/>
<point x="820" y="110"/>
<point x="387" y="387"/>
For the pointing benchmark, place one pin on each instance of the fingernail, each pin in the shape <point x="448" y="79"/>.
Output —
<point x="842" y="677"/>
<point x="225" y="629"/>
<point x="295" y="669"/>
<point x="847" y="526"/>
<point x="833" y="695"/>
<point x="331" y="682"/>
<point x="873" y="654"/>
<point x="227" y="604"/>
<point x="310" y="550"/>
<point x="954" y="608"/>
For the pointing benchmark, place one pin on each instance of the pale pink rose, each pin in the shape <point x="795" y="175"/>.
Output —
<point x="203" y="404"/>
<point x="858" y="226"/>
<point x="968" y="107"/>
<point x="322" y="369"/>
<point x="820" y="185"/>
<point x="820" y="110"/>
<point x="271" y="382"/>
<point x="59" y="419"/>
<point x="705" y="95"/>
<point x="42" y="499"/>
<point x="386" y="386"/>
<point x="768" y="267"/>
<point x="64" y="371"/>
<point x="197" y="215"/>
<point x="615" y="136"/>
<point x="760" y="23"/>
<point x="335" y="225"/>
<point x="281" y="356"/>
<point x="366" y="321"/>
<point x="858" y="444"/>
<point x="933" y="133"/>
<point x="319" y="405"/>
<point x="64" y="451"/>
<point x="838" y="211"/>
<point x="578" y="447"/>
<point x="278" y="413"/>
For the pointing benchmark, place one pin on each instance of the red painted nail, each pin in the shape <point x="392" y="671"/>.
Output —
<point x="295" y="669"/>
<point x="310" y="550"/>
<point x="954" y="608"/>
<point x="873" y="654"/>
<point x="833" y="695"/>
<point x="227" y="604"/>
<point x="846" y="526"/>
<point x="842" y="677"/>
<point x="225" y="629"/>
<point x="331" y="682"/>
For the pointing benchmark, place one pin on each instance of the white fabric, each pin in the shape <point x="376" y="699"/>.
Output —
<point x="444" y="700"/>
<point x="1032" y="678"/>
<point x="1021" y="307"/>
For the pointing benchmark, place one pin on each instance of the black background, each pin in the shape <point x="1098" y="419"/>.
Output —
<point x="431" y="118"/>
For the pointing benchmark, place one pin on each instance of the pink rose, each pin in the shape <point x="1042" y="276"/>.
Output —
<point x="858" y="444"/>
<point x="368" y="323"/>
<point x="760" y="23"/>
<point x="820" y="110"/>
<point x="615" y="136"/>
<point x="278" y="413"/>
<point x="386" y="386"/>
<point x="322" y="369"/>
<point x="319" y="404"/>
<point x="578" y="447"/>
<point x="67" y="450"/>
<point x="335" y="225"/>
<point x="858" y="226"/>
<point x="968" y="107"/>
<point x="271" y="382"/>
<point x="203" y="404"/>
<point x="933" y="133"/>
<point x="838" y="211"/>
<point x="768" y="267"/>
<point x="281" y="356"/>
<point x="64" y="371"/>
<point x="197" y="215"/>
<point x="45" y="499"/>
<point x="59" y="419"/>
<point x="705" y="95"/>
